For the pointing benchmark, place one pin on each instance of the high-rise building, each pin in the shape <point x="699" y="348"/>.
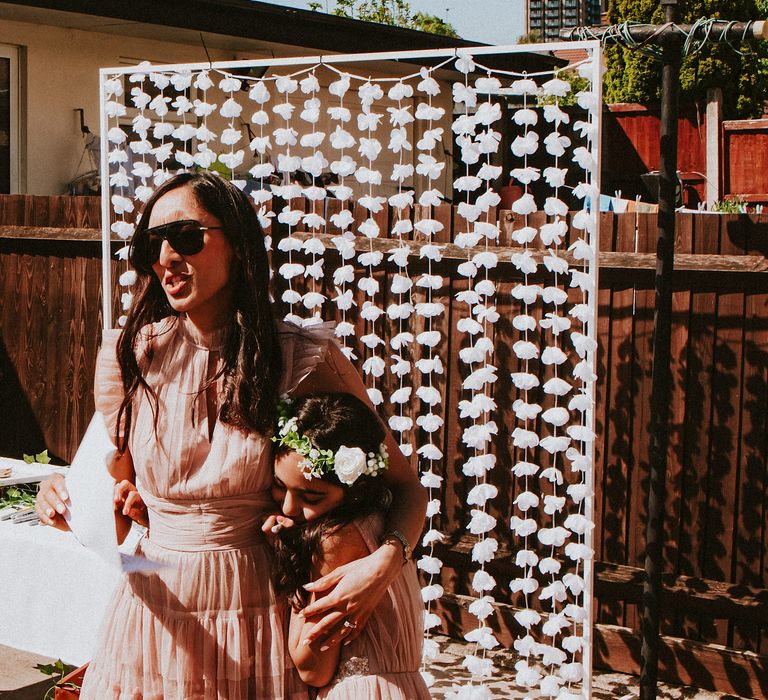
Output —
<point x="547" y="17"/>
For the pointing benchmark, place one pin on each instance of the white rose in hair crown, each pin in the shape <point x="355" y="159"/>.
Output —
<point x="347" y="463"/>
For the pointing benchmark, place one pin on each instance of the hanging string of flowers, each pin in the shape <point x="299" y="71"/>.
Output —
<point x="401" y="284"/>
<point x="429" y="363"/>
<point x="343" y="167"/>
<point x="369" y="147"/>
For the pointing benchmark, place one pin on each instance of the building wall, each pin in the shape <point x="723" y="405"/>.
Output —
<point x="59" y="74"/>
<point x="548" y="17"/>
<point x="60" y="69"/>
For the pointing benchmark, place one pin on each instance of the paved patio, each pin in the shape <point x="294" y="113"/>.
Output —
<point x="19" y="680"/>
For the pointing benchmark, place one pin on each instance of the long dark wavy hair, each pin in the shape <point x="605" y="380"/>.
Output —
<point x="329" y="420"/>
<point x="251" y="353"/>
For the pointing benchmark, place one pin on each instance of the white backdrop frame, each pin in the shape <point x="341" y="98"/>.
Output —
<point x="592" y="48"/>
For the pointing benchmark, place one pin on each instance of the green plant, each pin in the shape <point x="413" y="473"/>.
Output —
<point x="732" y="205"/>
<point x="395" y="12"/>
<point x="40" y="458"/>
<point x="633" y="76"/>
<point x="60" y="669"/>
<point x="19" y="496"/>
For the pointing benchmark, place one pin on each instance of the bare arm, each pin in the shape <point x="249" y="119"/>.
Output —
<point x="316" y="661"/>
<point x="355" y="591"/>
<point x="122" y="471"/>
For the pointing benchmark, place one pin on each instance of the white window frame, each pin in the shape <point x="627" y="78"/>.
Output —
<point x="10" y="52"/>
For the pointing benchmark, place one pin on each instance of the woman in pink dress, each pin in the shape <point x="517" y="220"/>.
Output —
<point x="190" y="388"/>
<point x="329" y="484"/>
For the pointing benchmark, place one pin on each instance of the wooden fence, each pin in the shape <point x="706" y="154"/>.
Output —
<point x="716" y="563"/>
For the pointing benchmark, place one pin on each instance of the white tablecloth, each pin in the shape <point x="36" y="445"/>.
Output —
<point x="53" y="592"/>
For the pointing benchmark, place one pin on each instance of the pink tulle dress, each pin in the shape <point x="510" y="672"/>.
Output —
<point x="208" y="624"/>
<point x="383" y="662"/>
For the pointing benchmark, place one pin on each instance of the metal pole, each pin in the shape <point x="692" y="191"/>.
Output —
<point x="662" y="324"/>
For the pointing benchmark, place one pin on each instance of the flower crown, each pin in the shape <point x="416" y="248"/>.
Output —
<point x="347" y="463"/>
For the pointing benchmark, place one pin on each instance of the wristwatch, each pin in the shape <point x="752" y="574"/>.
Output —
<point x="400" y="537"/>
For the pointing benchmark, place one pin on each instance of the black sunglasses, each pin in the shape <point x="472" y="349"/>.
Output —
<point x="184" y="236"/>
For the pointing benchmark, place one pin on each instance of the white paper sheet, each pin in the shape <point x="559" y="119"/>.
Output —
<point x="91" y="513"/>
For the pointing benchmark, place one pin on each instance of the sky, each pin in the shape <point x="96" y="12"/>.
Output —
<point x="486" y="21"/>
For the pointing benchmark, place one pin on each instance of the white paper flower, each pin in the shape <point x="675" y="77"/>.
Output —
<point x="577" y="551"/>
<point x="487" y="113"/>
<point x="479" y="435"/>
<point x="523" y="438"/>
<point x="366" y="175"/>
<point x="525" y="381"/>
<point x="480" y="493"/>
<point x="524" y="205"/>
<point x="369" y="285"/>
<point x="429" y="422"/>
<point x="555" y="207"/>
<point x="527" y="618"/>
<point x="525" y="145"/>
<point x="479" y="378"/>
<point x="555" y="144"/>
<point x="526" y="500"/>
<point x="583" y="370"/>
<point x="584" y="159"/>
<point x="427" y="84"/>
<point x="553" y="444"/>
<point x="582" y="312"/>
<point x="580" y="402"/>
<point x="368" y="121"/>
<point x="369" y="228"/>
<point x="525" y="350"/>
<point x="482" y="581"/>
<point x="553" y="475"/>
<point x="554" y="295"/>
<point x="525" y="411"/>
<point x="464" y="94"/>
<point x="429" y="166"/>
<point x="368" y="93"/>
<point x="479" y="465"/>
<point x="400" y="91"/>
<point x="400" y="424"/>
<point x="525" y="117"/>
<point x="286" y="136"/>
<point x="552" y="355"/>
<point x="429" y="139"/>
<point x="524" y="235"/>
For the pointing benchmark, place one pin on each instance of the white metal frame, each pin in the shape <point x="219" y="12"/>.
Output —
<point x="594" y="50"/>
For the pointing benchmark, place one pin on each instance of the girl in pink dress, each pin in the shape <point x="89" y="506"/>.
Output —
<point x="190" y="388"/>
<point x="329" y="484"/>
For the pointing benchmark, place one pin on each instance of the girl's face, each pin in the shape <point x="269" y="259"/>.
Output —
<point x="198" y="285"/>
<point x="300" y="498"/>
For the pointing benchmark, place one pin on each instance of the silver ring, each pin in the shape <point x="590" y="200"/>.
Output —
<point x="350" y="625"/>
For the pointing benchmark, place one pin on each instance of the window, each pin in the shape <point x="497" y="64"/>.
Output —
<point x="9" y="119"/>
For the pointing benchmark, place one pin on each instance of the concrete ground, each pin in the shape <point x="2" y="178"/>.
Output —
<point x="20" y="680"/>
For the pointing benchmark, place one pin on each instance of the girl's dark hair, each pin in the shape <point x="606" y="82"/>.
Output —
<point x="251" y="353"/>
<point x="329" y="421"/>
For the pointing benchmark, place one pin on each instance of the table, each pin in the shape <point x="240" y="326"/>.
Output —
<point x="53" y="591"/>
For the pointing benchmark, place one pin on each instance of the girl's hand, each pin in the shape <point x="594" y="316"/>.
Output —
<point x="51" y="502"/>
<point x="353" y="592"/>
<point x="128" y="501"/>
<point x="273" y="524"/>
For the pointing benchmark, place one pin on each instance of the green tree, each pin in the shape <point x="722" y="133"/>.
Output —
<point x="394" y="12"/>
<point x="633" y="76"/>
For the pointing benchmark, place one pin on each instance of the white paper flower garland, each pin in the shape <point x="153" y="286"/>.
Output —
<point x="196" y="110"/>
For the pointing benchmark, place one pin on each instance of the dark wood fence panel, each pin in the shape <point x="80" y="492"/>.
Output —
<point x="745" y="143"/>
<point x="717" y="504"/>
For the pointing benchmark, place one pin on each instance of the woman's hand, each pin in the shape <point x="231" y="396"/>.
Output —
<point x="350" y="595"/>
<point x="273" y="524"/>
<point x="128" y="501"/>
<point x="51" y="502"/>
